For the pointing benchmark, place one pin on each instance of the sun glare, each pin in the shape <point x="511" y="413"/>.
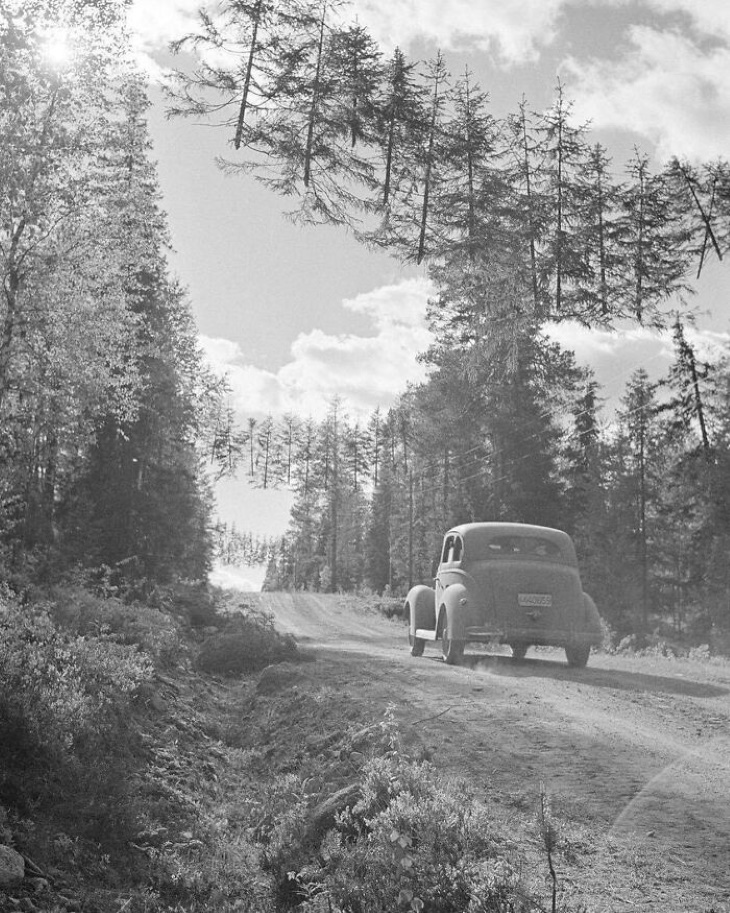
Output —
<point x="58" y="47"/>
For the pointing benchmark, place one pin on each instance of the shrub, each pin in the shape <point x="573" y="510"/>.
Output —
<point x="247" y="643"/>
<point x="391" y="608"/>
<point x="58" y="685"/>
<point x="81" y="612"/>
<point x="413" y="843"/>
<point x="67" y="742"/>
<point x="220" y="872"/>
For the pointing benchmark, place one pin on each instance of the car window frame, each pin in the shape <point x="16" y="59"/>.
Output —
<point x="452" y="551"/>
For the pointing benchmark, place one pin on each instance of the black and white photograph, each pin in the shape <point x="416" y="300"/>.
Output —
<point x="364" y="456"/>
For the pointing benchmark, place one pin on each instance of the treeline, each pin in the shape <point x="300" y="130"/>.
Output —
<point x="414" y="161"/>
<point x="103" y="397"/>
<point x="231" y="546"/>
<point x="643" y="491"/>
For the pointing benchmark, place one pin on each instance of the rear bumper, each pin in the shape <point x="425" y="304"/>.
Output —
<point x="535" y="637"/>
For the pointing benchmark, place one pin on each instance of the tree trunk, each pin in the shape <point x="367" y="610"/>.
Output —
<point x="247" y="80"/>
<point x="308" y="152"/>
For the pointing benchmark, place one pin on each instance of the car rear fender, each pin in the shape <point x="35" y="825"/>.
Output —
<point x="593" y="619"/>
<point x="420" y="608"/>
<point x="454" y="612"/>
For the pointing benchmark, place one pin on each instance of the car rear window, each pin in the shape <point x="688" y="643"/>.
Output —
<point x="525" y="547"/>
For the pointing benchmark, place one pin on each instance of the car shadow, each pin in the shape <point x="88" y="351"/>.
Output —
<point x="619" y="679"/>
<point x="543" y="667"/>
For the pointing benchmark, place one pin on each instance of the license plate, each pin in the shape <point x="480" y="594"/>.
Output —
<point x="533" y="600"/>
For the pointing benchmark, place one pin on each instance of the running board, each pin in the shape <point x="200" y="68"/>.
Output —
<point x="477" y="635"/>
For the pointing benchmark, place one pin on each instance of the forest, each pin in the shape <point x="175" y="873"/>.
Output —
<point x="522" y="220"/>
<point x="104" y="397"/>
<point x="113" y="430"/>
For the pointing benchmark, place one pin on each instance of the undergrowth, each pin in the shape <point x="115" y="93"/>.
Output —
<point x="398" y="837"/>
<point x="112" y="770"/>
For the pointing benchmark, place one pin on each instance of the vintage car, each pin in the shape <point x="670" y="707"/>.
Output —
<point x="507" y="583"/>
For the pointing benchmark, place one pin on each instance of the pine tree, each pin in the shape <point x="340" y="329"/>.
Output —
<point x="236" y="79"/>
<point x="601" y="199"/>
<point x="686" y="406"/>
<point x="437" y="76"/>
<point x="654" y="252"/>
<point x="641" y="434"/>
<point x="357" y="60"/>
<point x="400" y="120"/>
<point x="698" y="194"/>
<point x="470" y="207"/>
<point x="563" y="265"/>
<point x="527" y="154"/>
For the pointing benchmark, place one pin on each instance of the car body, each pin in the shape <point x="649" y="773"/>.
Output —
<point x="509" y="583"/>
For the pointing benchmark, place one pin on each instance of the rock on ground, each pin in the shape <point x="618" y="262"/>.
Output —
<point x="12" y="867"/>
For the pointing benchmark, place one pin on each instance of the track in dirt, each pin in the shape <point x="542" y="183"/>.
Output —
<point x="637" y="747"/>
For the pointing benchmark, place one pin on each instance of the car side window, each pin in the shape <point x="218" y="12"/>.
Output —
<point x="446" y="550"/>
<point x="453" y="550"/>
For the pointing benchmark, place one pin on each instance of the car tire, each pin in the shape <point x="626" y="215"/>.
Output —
<point x="452" y="650"/>
<point x="519" y="651"/>
<point x="417" y="645"/>
<point x="577" y="655"/>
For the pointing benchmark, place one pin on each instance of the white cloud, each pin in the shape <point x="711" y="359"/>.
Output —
<point x="514" y="30"/>
<point x="708" y="344"/>
<point x="614" y="355"/>
<point x="665" y="88"/>
<point x="156" y="23"/>
<point x="365" y="371"/>
<point x="220" y="352"/>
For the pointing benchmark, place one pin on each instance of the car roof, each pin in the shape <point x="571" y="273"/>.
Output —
<point x="476" y="534"/>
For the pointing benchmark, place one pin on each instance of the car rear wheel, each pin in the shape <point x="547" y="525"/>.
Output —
<point x="453" y="650"/>
<point x="577" y="655"/>
<point x="519" y="651"/>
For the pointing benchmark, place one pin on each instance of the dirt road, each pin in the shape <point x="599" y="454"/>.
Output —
<point x="636" y="750"/>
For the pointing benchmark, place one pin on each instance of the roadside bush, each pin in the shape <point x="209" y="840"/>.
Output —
<point x="413" y="843"/>
<point x="220" y="872"/>
<point x="391" y="607"/>
<point x="79" y="611"/>
<point x="59" y="685"/>
<point x="409" y="840"/>
<point x="67" y="743"/>
<point x="247" y="643"/>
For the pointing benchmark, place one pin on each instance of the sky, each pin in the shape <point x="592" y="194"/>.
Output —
<point x="295" y="315"/>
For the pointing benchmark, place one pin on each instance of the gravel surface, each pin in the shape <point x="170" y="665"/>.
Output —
<point x="634" y="751"/>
